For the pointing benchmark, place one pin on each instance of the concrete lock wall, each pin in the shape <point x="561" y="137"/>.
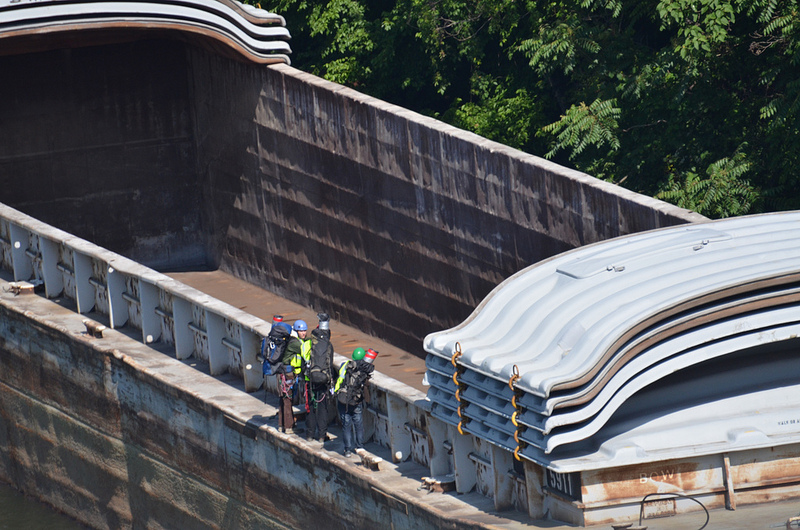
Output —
<point x="391" y="221"/>
<point x="100" y="141"/>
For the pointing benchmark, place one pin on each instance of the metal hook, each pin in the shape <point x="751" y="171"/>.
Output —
<point x="514" y="377"/>
<point x="456" y="354"/>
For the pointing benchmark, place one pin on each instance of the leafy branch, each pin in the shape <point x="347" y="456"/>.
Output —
<point x="583" y="126"/>
<point x="722" y="194"/>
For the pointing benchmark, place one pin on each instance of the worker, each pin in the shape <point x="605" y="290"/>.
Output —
<point x="351" y="392"/>
<point x="296" y="356"/>
<point x="320" y="380"/>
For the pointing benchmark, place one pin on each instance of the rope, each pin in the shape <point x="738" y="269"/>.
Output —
<point x="321" y="399"/>
<point x="286" y="387"/>
<point x="517" y="411"/>
<point x="674" y="495"/>
<point x="459" y="370"/>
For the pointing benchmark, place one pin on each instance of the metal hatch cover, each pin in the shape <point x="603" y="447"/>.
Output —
<point x="224" y="26"/>
<point x="554" y="327"/>
<point x="624" y="253"/>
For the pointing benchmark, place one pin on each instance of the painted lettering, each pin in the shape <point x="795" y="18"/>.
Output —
<point x="657" y="476"/>
<point x="561" y="482"/>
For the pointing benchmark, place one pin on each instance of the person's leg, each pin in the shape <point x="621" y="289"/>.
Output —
<point x="358" y="424"/>
<point x="281" y="414"/>
<point x="298" y="398"/>
<point x="322" y="416"/>
<point x="286" y="417"/>
<point x="283" y="387"/>
<point x="347" y="427"/>
<point x="312" y="419"/>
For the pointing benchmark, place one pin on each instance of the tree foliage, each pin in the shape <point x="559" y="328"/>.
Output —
<point x="722" y="194"/>
<point x="494" y="113"/>
<point x="694" y="101"/>
<point x="583" y="125"/>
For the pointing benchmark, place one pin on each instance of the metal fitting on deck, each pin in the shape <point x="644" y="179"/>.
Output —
<point x="369" y="460"/>
<point x="95" y="329"/>
<point x="21" y="287"/>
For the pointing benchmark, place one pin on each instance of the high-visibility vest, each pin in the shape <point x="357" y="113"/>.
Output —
<point x="342" y="373"/>
<point x="298" y="361"/>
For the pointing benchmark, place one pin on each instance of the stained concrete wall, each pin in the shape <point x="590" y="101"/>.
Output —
<point x="390" y="221"/>
<point x="100" y="141"/>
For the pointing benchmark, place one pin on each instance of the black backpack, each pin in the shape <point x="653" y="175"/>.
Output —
<point x="272" y="348"/>
<point x="320" y="369"/>
<point x="351" y="391"/>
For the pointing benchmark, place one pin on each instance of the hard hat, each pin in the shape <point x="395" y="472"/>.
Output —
<point x="358" y="354"/>
<point x="300" y="325"/>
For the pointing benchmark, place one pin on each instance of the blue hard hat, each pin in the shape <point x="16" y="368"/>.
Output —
<point x="300" y="325"/>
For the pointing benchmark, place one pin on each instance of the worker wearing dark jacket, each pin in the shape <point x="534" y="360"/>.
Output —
<point x="351" y="392"/>
<point x="320" y="380"/>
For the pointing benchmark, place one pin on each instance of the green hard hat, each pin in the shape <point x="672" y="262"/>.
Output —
<point x="358" y="354"/>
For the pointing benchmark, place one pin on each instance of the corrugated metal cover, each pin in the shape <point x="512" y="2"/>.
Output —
<point x="253" y="33"/>
<point x="634" y="349"/>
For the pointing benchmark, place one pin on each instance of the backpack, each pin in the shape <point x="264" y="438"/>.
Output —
<point x="320" y="369"/>
<point x="351" y="391"/>
<point x="272" y="348"/>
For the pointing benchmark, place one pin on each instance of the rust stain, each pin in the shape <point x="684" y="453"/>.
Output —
<point x="634" y="482"/>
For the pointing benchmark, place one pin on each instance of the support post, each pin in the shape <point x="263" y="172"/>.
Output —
<point x="730" y="494"/>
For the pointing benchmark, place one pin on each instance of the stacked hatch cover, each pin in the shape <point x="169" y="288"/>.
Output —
<point x="254" y="33"/>
<point x="617" y="352"/>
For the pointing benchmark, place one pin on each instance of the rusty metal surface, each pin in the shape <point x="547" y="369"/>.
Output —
<point x="755" y="476"/>
<point x="252" y="33"/>
<point x="567" y="362"/>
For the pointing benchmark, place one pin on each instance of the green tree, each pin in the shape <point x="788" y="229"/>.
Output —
<point x="649" y="94"/>
<point x="496" y="114"/>
<point x="583" y="126"/>
<point x="722" y="194"/>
